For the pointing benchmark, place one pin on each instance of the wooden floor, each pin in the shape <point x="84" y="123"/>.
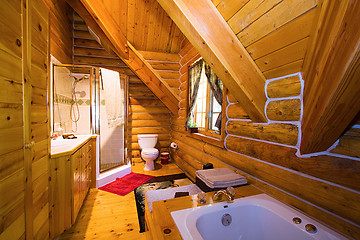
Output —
<point x="108" y="216"/>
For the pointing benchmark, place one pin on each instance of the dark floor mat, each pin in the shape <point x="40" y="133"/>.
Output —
<point x="162" y="182"/>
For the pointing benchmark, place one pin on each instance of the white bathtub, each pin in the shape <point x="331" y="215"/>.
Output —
<point x="258" y="217"/>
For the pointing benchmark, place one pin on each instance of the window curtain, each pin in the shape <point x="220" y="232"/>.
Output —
<point x="217" y="89"/>
<point x="194" y="80"/>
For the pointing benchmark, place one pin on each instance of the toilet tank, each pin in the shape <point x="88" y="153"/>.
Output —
<point x="147" y="140"/>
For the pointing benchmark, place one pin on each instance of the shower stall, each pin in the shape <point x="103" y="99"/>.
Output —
<point x="90" y="100"/>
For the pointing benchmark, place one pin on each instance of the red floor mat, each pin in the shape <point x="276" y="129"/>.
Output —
<point x="126" y="184"/>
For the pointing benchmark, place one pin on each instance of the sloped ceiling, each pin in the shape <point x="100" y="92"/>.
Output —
<point x="274" y="32"/>
<point x="146" y="25"/>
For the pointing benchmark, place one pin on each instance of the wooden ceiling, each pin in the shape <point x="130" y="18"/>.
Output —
<point x="274" y="32"/>
<point x="146" y="25"/>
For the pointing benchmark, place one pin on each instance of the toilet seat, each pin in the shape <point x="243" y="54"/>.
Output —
<point x="148" y="152"/>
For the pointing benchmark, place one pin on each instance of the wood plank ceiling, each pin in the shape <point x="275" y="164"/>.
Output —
<point x="146" y="25"/>
<point x="274" y="32"/>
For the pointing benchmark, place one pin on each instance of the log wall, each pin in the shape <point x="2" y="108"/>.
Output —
<point x="323" y="185"/>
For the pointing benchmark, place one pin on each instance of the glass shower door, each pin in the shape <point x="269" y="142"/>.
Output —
<point x="112" y="111"/>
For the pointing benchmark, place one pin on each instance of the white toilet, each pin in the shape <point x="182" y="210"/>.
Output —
<point x="147" y="143"/>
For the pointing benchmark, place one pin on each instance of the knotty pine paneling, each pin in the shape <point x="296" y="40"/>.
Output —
<point x="275" y="32"/>
<point x="12" y="185"/>
<point x="24" y="127"/>
<point x="149" y="28"/>
<point x="323" y="186"/>
<point x="61" y="30"/>
<point x="38" y="119"/>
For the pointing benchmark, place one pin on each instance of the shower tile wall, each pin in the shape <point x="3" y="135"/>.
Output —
<point x="63" y="84"/>
<point x="62" y="98"/>
<point x="84" y="106"/>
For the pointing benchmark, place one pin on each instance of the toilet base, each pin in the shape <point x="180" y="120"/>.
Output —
<point x="149" y="166"/>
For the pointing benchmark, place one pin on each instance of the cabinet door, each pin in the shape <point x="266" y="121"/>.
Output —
<point x="76" y="189"/>
<point x="83" y="189"/>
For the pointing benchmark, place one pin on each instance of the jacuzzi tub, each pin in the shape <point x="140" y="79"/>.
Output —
<point x="258" y="217"/>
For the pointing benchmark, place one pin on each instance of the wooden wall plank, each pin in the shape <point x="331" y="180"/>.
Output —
<point x="275" y="132"/>
<point x="246" y="15"/>
<point x="12" y="184"/>
<point x="342" y="171"/>
<point x="159" y="56"/>
<point x="291" y="53"/>
<point x="284" y="70"/>
<point x="285" y="87"/>
<point x="291" y="32"/>
<point x="228" y="8"/>
<point x="236" y="111"/>
<point x="284" y="110"/>
<point x="278" y="16"/>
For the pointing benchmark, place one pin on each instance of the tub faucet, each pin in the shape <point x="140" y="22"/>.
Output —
<point x="229" y="193"/>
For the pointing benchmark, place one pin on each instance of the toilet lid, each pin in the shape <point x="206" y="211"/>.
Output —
<point x="150" y="151"/>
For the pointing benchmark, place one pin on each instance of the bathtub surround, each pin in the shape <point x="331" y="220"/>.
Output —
<point x="248" y="218"/>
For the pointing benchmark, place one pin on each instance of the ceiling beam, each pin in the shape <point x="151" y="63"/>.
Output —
<point x="108" y="26"/>
<point x="100" y="20"/>
<point x="332" y="76"/>
<point x="209" y="33"/>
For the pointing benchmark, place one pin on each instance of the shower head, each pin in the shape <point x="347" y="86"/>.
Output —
<point x="80" y="79"/>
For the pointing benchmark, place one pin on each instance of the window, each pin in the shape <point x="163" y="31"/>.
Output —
<point x="206" y="94"/>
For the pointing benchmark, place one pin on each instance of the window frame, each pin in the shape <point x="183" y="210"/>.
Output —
<point x="207" y="136"/>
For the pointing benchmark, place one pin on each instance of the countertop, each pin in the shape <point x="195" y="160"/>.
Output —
<point x="61" y="147"/>
<point x="164" y="225"/>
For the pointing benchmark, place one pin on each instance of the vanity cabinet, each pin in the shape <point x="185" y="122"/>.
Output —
<point x="81" y="168"/>
<point x="70" y="179"/>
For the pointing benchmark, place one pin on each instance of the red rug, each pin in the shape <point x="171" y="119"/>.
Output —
<point x="126" y="184"/>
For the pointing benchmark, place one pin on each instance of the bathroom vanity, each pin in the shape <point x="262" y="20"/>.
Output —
<point x="72" y="172"/>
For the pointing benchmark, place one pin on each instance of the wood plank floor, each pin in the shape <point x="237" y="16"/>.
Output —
<point x="108" y="216"/>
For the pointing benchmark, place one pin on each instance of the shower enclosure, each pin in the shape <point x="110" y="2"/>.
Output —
<point x="91" y="100"/>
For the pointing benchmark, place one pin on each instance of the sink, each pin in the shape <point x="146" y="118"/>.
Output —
<point x="249" y="218"/>
<point x="61" y="145"/>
